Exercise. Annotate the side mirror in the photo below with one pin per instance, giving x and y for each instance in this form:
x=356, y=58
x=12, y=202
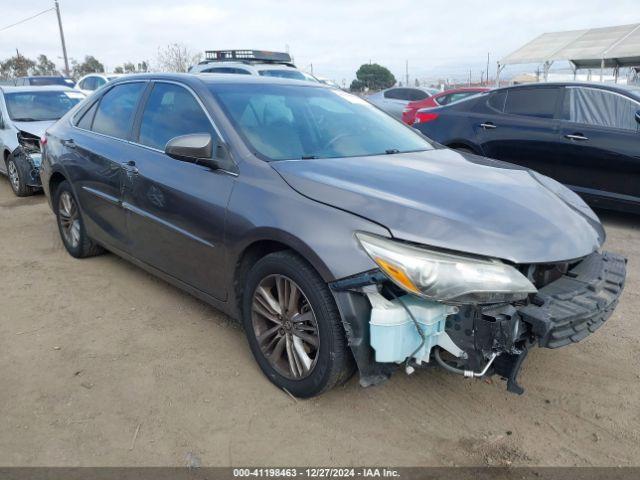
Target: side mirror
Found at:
x=638, y=116
x=194, y=148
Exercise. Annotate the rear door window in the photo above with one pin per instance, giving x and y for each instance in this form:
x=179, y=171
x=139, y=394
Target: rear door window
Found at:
x=393, y=94
x=171, y=111
x=416, y=94
x=116, y=109
x=532, y=102
x=600, y=108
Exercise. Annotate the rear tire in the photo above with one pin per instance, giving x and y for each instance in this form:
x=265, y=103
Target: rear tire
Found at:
x=287, y=353
x=17, y=179
x=70, y=224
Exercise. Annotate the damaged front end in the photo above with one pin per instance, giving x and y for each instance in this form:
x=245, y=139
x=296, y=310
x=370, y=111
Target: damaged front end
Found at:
x=28, y=158
x=471, y=316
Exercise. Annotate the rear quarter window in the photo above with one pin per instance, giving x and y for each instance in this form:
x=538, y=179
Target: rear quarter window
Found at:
x=496, y=101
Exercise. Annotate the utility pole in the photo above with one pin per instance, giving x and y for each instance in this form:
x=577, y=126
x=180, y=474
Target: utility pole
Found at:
x=407, y=72
x=64, y=46
x=487, y=69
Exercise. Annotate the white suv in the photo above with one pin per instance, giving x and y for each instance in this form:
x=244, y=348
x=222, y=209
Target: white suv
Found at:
x=94, y=81
x=251, y=62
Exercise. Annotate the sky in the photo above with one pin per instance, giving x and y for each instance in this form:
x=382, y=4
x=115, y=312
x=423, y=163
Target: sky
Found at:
x=439, y=39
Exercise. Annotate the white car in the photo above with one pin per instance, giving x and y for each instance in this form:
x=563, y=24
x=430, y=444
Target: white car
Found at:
x=25, y=114
x=394, y=99
x=251, y=62
x=93, y=81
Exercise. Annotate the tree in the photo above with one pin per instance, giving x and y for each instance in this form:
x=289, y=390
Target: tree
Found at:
x=90, y=65
x=44, y=66
x=118, y=70
x=16, y=66
x=176, y=57
x=129, y=67
x=357, y=86
x=373, y=77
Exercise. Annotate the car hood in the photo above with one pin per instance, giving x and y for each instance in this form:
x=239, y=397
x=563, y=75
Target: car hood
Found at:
x=458, y=202
x=34, y=128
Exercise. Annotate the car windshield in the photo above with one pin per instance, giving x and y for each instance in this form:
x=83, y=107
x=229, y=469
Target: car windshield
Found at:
x=40, y=106
x=285, y=122
x=291, y=74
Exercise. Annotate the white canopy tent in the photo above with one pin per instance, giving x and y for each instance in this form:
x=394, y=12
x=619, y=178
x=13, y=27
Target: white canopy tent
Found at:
x=608, y=47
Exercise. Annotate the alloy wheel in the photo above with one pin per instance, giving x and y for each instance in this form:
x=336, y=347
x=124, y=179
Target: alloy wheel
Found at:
x=69, y=219
x=14, y=177
x=285, y=327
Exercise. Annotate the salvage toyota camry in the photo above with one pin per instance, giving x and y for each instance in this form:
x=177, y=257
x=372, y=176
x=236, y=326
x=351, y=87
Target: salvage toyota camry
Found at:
x=341, y=238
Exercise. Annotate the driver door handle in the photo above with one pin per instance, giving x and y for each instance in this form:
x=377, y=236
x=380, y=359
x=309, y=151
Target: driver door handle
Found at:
x=488, y=125
x=130, y=167
x=576, y=136
x=68, y=143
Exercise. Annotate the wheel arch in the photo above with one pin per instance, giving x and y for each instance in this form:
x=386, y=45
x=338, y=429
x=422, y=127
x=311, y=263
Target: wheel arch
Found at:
x=455, y=144
x=56, y=179
x=270, y=241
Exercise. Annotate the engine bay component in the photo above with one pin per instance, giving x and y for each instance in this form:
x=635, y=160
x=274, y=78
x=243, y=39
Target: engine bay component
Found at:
x=395, y=337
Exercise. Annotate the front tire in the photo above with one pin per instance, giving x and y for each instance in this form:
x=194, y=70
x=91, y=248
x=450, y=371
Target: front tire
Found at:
x=293, y=326
x=70, y=224
x=16, y=179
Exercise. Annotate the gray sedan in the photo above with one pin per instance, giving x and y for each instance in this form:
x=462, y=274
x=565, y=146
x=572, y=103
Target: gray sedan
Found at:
x=394, y=99
x=340, y=237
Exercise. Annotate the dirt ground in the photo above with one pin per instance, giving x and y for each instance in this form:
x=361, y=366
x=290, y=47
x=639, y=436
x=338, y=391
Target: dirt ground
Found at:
x=102, y=364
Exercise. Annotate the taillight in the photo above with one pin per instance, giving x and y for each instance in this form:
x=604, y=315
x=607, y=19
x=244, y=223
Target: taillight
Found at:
x=424, y=117
x=43, y=141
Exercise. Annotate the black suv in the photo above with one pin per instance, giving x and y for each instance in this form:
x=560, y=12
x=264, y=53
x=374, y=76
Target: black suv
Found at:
x=586, y=136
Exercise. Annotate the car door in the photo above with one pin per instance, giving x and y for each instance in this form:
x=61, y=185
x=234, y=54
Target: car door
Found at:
x=520, y=125
x=97, y=154
x=601, y=143
x=176, y=210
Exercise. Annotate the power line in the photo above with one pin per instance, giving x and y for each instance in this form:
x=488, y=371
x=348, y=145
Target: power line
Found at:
x=27, y=19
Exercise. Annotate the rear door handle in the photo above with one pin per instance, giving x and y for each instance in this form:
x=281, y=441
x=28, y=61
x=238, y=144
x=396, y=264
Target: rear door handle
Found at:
x=576, y=136
x=130, y=167
x=488, y=125
x=68, y=143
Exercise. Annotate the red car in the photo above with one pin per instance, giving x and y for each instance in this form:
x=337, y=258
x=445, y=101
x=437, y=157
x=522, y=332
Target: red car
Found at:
x=442, y=98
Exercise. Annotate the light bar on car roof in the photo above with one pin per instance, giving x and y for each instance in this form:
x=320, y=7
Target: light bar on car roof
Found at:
x=247, y=55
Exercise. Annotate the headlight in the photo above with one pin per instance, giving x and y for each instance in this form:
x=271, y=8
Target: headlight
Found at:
x=446, y=277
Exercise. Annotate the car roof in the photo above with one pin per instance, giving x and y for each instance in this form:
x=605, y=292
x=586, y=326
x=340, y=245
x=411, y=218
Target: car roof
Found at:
x=42, y=76
x=218, y=78
x=34, y=88
x=463, y=89
x=614, y=87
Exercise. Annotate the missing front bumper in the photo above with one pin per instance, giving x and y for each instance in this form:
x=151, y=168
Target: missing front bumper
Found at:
x=563, y=312
x=576, y=305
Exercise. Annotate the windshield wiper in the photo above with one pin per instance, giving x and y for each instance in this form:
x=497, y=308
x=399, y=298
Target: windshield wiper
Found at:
x=308, y=157
x=25, y=119
x=392, y=151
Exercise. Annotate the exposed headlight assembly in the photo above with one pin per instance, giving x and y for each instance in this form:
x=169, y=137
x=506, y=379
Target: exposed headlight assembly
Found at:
x=446, y=277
